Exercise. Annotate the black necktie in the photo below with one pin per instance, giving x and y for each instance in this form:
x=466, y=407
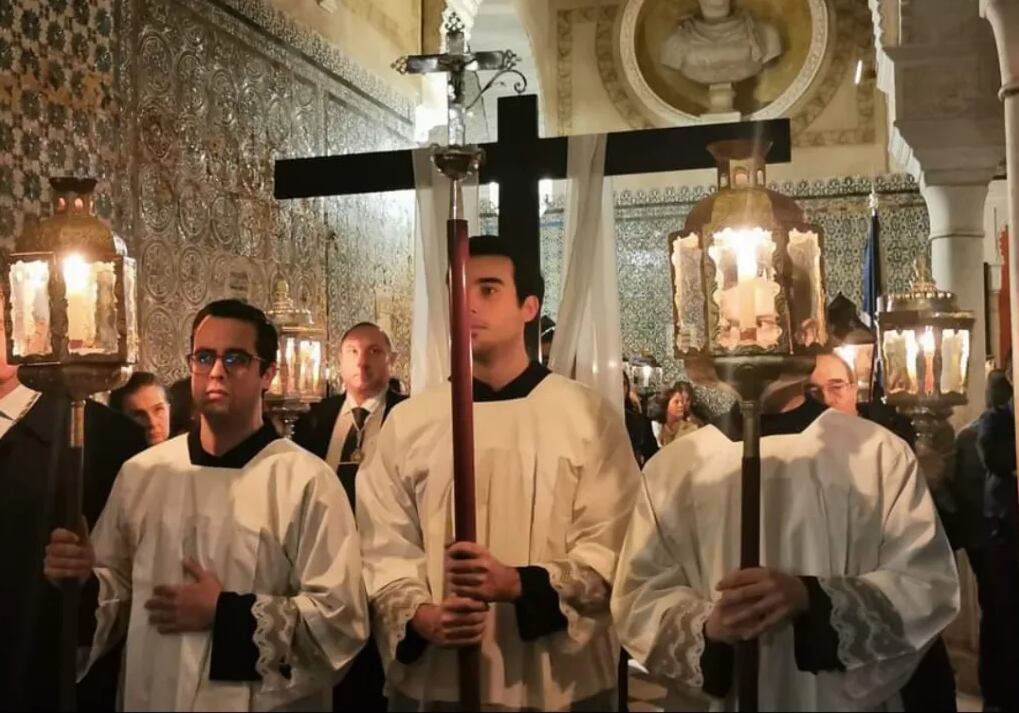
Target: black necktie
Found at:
x=347, y=469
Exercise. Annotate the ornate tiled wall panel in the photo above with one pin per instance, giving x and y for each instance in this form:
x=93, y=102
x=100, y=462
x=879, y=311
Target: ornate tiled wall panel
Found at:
x=215, y=80
x=644, y=221
x=58, y=104
x=196, y=98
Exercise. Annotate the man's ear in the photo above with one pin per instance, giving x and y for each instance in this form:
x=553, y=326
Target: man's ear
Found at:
x=531, y=307
x=268, y=376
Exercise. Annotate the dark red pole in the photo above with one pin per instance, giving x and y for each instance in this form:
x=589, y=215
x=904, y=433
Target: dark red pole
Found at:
x=462, y=378
x=748, y=652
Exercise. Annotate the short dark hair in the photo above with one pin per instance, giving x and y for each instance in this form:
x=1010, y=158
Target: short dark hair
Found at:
x=266, y=336
x=181, y=406
x=363, y=325
x=138, y=381
x=527, y=277
x=999, y=390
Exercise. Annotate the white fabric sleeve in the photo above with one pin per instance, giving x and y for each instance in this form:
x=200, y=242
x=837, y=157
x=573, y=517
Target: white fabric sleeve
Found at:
x=885, y=619
x=602, y=507
x=114, y=554
x=395, y=566
x=306, y=639
x=659, y=618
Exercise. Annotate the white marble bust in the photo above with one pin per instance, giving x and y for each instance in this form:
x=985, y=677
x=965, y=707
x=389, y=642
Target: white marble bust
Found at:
x=721, y=45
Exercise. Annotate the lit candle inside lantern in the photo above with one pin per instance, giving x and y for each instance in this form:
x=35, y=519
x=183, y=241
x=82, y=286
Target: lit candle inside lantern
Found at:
x=645, y=375
x=927, y=343
x=746, y=282
x=290, y=385
x=78, y=285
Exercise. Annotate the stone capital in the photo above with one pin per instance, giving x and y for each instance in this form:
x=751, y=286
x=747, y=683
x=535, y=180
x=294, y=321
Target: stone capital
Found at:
x=956, y=210
x=1003, y=15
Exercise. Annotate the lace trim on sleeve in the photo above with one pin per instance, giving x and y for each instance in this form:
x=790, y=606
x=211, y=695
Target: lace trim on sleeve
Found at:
x=679, y=645
x=392, y=608
x=869, y=627
x=275, y=624
x=582, y=591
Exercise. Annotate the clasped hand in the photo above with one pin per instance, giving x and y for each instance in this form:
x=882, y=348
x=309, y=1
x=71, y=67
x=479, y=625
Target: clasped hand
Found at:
x=474, y=579
x=753, y=602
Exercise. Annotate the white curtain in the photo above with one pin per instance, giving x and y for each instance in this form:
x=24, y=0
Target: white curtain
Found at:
x=587, y=344
x=429, y=344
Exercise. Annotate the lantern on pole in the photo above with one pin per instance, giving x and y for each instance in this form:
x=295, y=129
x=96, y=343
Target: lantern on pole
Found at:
x=70, y=314
x=749, y=306
x=300, y=376
x=925, y=349
x=854, y=342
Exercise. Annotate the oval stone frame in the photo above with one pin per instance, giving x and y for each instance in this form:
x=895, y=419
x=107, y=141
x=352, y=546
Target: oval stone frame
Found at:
x=661, y=113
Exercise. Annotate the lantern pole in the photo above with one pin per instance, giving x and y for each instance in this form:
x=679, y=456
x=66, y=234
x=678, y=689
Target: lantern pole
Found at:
x=61, y=264
x=749, y=309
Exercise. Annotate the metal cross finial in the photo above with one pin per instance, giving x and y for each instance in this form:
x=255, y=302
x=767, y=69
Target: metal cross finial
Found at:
x=457, y=61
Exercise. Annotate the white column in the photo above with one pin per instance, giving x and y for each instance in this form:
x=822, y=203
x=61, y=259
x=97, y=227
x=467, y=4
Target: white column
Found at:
x=957, y=261
x=1004, y=18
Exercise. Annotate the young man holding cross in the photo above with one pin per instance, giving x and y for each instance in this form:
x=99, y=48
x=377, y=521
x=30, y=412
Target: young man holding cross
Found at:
x=555, y=483
x=227, y=556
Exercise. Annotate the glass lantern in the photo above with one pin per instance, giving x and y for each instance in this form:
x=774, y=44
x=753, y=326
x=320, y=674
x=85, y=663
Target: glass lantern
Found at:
x=300, y=362
x=747, y=273
x=925, y=344
x=70, y=301
x=854, y=342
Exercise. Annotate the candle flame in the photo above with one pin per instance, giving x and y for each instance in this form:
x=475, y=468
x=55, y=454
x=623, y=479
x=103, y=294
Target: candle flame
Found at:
x=76, y=274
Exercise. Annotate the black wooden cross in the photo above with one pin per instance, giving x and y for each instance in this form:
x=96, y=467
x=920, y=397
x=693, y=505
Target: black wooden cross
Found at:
x=519, y=159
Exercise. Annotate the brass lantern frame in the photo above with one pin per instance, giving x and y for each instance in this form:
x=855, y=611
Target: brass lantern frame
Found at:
x=924, y=307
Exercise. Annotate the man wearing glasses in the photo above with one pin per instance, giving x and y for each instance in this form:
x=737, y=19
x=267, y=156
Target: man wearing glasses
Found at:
x=833, y=383
x=228, y=555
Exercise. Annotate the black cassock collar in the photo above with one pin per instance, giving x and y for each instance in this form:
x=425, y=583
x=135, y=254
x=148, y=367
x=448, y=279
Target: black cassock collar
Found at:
x=772, y=424
x=519, y=388
x=238, y=456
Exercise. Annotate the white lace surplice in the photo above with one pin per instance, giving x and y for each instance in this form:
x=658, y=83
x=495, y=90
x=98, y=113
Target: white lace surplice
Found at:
x=280, y=528
x=844, y=502
x=556, y=480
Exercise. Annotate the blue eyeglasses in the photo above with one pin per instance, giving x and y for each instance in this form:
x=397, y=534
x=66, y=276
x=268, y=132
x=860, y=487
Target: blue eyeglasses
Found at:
x=203, y=360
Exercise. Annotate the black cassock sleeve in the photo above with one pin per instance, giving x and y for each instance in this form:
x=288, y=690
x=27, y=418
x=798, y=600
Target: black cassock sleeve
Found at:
x=717, y=666
x=538, y=612
x=234, y=653
x=816, y=641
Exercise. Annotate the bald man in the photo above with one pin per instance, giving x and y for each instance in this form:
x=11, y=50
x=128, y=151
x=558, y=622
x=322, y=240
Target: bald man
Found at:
x=341, y=430
x=833, y=383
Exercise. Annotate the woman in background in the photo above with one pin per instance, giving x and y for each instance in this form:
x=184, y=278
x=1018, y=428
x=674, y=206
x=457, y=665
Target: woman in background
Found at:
x=675, y=406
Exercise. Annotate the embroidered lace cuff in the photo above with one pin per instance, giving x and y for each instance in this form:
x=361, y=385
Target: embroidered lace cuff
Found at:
x=679, y=645
x=275, y=624
x=869, y=628
x=393, y=608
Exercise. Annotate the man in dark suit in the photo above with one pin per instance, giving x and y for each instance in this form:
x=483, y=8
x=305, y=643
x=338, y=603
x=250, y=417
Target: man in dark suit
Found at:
x=341, y=430
x=33, y=460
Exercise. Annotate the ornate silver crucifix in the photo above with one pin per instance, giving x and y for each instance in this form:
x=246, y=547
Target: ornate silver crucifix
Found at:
x=456, y=62
x=456, y=161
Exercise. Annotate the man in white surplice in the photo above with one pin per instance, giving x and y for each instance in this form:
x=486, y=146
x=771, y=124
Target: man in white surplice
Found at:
x=556, y=480
x=229, y=556
x=857, y=576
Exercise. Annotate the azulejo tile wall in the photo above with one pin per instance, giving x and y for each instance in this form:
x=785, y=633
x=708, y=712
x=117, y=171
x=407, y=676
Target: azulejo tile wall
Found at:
x=196, y=98
x=645, y=219
x=58, y=104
